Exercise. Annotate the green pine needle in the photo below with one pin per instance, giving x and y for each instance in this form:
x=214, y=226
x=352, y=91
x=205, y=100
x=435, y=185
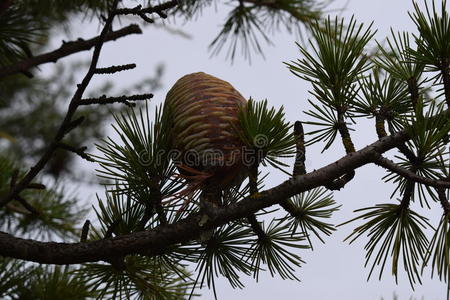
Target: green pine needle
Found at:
x=439, y=251
x=311, y=207
x=266, y=133
x=276, y=251
x=394, y=231
x=433, y=47
x=142, y=278
x=223, y=255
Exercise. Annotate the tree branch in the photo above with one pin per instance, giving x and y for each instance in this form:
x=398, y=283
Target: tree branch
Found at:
x=67, y=49
x=391, y=166
x=67, y=124
x=121, y=99
x=154, y=241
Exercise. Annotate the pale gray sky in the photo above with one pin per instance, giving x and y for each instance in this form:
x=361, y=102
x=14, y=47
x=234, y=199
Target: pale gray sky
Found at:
x=333, y=270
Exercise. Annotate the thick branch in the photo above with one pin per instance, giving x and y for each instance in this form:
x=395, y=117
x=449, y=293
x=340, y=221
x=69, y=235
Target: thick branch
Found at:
x=156, y=240
x=66, y=49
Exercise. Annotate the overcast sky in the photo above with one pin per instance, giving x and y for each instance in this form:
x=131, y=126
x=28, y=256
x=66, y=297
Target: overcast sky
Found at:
x=334, y=270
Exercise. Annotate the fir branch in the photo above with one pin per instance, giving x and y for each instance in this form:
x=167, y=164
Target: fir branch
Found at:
x=68, y=48
x=121, y=99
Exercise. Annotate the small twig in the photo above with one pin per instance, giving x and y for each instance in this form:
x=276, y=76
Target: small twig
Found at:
x=14, y=176
x=299, y=165
x=444, y=201
x=85, y=231
x=122, y=99
x=413, y=90
x=392, y=166
x=36, y=186
x=66, y=49
x=17, y=209
x=27, y=205
x=158, y=9
x=407, y=194
x=160, y=210
x=381, y=132
x=445, y=72
x=344, y=132
x=79, y=151
x=69, y=126
x=253, y=190
x=256, y=227
x=145, y=18
x=339, y=183
x=115, y=69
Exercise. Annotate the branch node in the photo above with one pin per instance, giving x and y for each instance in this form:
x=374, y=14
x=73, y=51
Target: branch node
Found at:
x=300, y=156
x=85, y=231
x=79, y=151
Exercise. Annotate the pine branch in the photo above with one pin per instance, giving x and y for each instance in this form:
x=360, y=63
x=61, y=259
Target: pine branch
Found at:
x=143, y=12
x=122, y=99
x=391, y=166
x=27, y=205
x=67, y=124
x=445, y=72
x=68, y=48
x=79, y=151
x=155, y=240
x=115, y=69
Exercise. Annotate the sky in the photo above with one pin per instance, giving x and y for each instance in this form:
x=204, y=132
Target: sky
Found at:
x=334, y=270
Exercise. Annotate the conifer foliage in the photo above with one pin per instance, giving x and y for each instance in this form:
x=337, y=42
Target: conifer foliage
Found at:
x=156, y=235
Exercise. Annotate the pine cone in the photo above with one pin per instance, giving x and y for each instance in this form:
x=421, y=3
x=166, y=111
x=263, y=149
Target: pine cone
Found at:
x=204, y=129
